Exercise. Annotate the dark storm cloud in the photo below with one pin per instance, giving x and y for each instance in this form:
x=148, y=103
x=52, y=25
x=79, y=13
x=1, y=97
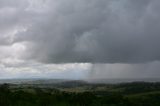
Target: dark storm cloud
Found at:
x=96, y=31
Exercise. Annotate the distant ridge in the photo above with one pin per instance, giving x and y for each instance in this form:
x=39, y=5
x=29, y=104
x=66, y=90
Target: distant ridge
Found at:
x=78, y=82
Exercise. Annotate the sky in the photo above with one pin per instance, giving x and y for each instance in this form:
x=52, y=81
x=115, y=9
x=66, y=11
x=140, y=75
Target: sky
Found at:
x=79, y=39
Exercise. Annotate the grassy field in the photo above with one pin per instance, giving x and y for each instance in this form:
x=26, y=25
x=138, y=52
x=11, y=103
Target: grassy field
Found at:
x=78, y=93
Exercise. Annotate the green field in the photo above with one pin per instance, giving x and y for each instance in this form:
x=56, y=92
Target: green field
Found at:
x=79, y=93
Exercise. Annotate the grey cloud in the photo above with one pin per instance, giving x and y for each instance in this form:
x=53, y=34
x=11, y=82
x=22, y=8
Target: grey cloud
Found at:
x=96, y=31
x=12, y=18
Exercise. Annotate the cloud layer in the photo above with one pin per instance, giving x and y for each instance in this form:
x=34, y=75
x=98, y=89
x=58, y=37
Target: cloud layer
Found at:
x=96, y=31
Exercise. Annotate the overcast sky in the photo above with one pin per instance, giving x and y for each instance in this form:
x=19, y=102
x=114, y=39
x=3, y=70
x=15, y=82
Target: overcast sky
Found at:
x=79, y=39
